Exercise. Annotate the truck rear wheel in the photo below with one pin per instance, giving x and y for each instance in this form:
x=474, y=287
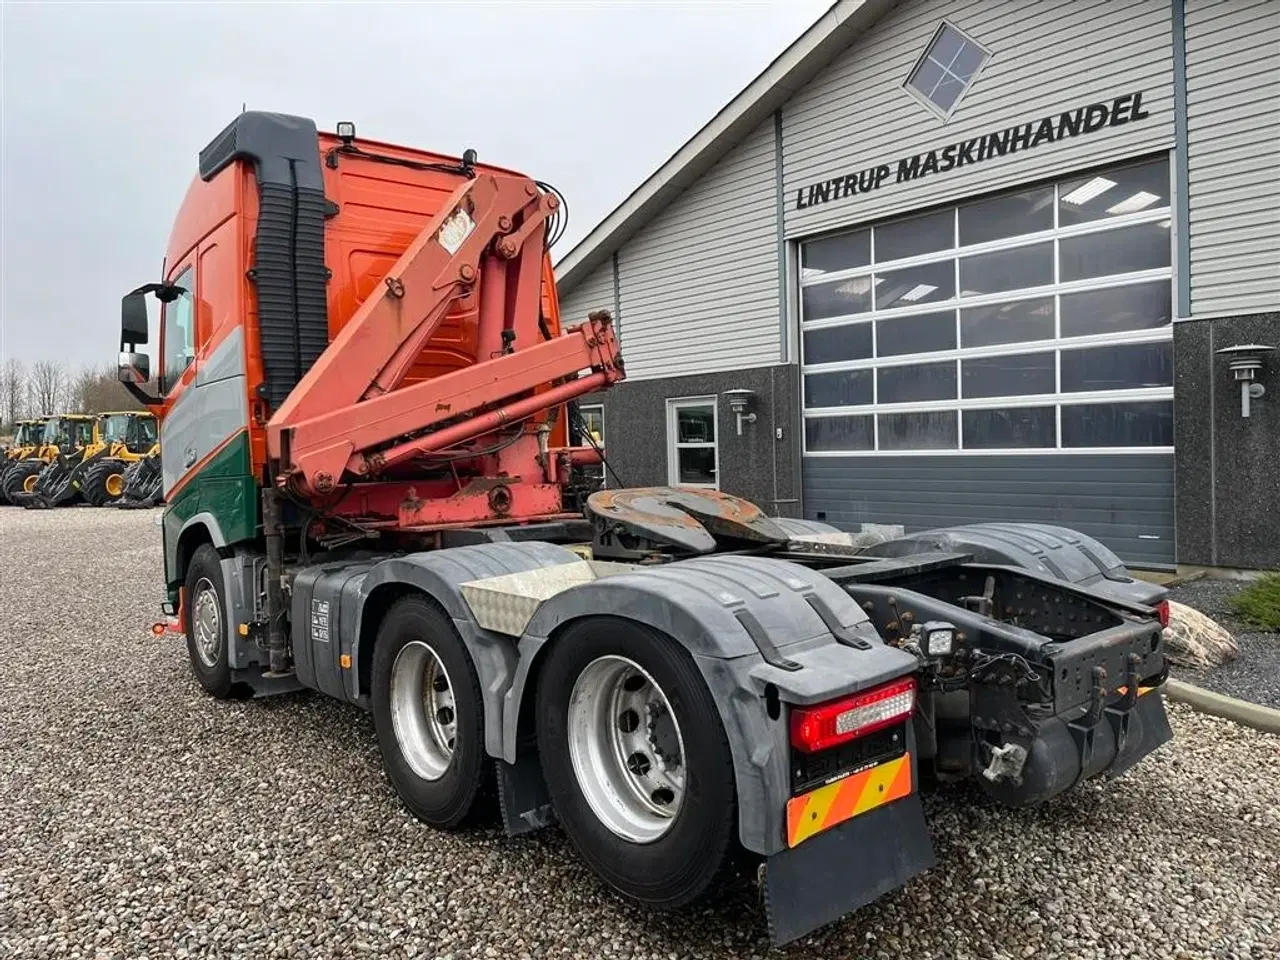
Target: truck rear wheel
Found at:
x=428, y=713
x=636, y=760
x=206, y=626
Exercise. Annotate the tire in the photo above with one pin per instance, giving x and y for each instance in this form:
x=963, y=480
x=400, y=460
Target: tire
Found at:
x=661, y=866
x=439, y=784
x=19, y=481
x=205, y=602
x=104, y=481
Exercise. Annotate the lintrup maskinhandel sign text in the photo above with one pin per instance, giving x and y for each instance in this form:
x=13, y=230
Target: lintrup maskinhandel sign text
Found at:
x=1051, y=129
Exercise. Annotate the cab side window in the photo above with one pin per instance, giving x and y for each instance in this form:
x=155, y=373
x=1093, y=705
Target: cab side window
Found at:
x=179, y=330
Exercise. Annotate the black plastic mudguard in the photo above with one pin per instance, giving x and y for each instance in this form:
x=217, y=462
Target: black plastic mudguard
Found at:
x=844, y=868
x=1049, y=550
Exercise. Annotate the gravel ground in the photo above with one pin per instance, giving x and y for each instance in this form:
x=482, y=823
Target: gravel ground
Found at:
x=1253, y=675
x=143, y=820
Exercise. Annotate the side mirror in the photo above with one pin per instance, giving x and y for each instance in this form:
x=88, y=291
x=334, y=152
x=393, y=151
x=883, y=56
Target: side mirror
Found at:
x=133, y=318
x=134, y=368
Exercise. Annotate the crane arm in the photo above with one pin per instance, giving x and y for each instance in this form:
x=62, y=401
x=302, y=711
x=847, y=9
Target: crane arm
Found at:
x=347, y=407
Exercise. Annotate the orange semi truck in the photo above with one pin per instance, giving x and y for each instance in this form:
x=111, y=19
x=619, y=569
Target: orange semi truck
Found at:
x=366, y=391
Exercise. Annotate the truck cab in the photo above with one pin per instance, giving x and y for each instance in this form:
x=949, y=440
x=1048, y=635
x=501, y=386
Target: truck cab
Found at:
x=282, y=233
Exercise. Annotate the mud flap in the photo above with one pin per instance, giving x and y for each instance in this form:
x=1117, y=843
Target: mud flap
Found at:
x=844, y=868
x=1155, y=732
x=522, y=795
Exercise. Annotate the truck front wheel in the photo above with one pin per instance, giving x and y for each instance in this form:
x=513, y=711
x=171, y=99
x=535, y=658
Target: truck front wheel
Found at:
x=206, y=626
x=636, y=760
x=428, y=713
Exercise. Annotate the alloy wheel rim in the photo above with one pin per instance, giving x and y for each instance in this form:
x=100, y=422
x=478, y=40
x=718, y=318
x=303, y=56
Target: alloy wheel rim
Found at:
x=627, y=749
x=424, y=714
x=206, y=621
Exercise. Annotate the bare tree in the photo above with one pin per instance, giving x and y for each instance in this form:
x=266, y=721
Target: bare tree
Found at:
x=13, y=389
x=97, y=389
x=48, y=386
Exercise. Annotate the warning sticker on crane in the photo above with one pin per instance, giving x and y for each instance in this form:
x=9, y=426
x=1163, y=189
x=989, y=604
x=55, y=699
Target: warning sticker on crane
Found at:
x=455, y=230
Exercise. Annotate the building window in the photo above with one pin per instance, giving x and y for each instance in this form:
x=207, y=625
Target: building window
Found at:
x=592, y=424
x=692, y=455
x=1036, y=320
x=946, y=70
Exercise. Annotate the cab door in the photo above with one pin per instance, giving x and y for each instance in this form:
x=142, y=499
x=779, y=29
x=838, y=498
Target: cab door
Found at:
x=179, y=436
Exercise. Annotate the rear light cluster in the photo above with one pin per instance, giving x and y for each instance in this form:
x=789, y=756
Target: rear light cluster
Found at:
x=1163, y=610
x=831, y=724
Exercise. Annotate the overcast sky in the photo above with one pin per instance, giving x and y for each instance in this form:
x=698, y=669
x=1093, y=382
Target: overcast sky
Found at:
x=106, y=106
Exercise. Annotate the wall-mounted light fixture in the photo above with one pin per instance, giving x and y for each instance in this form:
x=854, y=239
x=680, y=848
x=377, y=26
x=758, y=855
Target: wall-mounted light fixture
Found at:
x=740, y=401
x=1245, y=362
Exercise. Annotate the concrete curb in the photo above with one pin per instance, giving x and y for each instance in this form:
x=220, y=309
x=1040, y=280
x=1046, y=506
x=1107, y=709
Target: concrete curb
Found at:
x=1266, y=719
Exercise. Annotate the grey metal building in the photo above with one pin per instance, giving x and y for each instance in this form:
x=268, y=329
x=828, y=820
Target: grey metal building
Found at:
x=974, y=260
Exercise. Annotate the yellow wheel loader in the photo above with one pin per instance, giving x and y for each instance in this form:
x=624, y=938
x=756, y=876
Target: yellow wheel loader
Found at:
x=26, y=440
x=44, y=479
x=122, y=439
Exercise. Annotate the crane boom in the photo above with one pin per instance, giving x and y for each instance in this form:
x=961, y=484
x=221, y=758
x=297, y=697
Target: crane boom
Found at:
x=351, y=415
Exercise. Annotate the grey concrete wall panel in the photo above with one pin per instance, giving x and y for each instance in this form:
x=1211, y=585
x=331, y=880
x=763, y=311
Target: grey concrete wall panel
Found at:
x=757, y=466
x=699, y=285
x=1228, y=481
x=697, y=602
x=1124, y=501
x=1193, y=374
x=1233, y=129
x=1046, y=58
x=594, y=293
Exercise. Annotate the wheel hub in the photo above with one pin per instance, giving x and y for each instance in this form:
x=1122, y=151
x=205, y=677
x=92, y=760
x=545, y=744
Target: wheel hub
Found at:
x=206, y=623
x=423, y=710
x=626, y=748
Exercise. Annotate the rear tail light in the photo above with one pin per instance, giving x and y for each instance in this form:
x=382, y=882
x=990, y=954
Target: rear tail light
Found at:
x=1163, y=610
x=830, y=724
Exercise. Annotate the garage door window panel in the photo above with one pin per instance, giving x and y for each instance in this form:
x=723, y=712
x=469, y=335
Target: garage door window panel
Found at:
x=1006, y=216
x=1130, y=366
x=926, y=430
x=916, y=383
x=845, y=388
x=915, y=236
x=917, y=333
x=837, y=298
x=928, y=283
x=1018, y=268
x=828, y=434
x=852, y=341
x=1027, y=374
x=1141, y=306
x=1104, y=253
x=1093, y=425
x=1021, y=321
x=980, y=324
x=1015, y=428
x=846, y=251
x=1117, y=192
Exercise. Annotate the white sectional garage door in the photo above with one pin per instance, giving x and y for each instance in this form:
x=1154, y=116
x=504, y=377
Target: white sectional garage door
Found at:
x=1008, y=357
